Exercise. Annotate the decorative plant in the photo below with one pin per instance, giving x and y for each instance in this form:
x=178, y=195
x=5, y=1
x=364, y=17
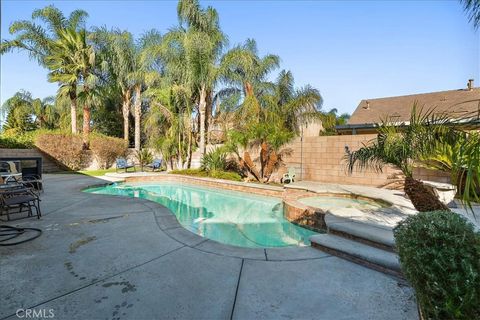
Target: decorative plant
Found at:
x=144, y=157
x=403, y=146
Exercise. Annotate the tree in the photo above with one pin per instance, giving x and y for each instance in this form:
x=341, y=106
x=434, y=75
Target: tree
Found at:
x=403, y=147
x=19, y=112
x=277, y=121
x=38, y=40
x=472, y=8
x=71, y=62
x=202, y=41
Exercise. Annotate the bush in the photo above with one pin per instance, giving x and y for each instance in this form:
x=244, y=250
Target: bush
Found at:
x=440, y=256
x=214, y=160
x=107, y=149
x=217, y=174
x=16, y=139
x=144, y=157
x=65, y=148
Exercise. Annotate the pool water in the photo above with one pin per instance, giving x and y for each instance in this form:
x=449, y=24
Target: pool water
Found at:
x=230, y=217
x=330, y=202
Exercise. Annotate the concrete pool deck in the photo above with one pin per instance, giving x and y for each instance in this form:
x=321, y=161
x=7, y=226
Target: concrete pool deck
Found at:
x=107, y=257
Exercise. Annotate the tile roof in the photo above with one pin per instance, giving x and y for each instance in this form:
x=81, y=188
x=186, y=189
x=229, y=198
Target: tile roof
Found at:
x=455, y=103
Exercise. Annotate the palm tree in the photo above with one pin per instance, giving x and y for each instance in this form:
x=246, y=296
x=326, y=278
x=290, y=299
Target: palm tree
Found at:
x=38, y=40
x=202, y=42
x=403, y=147
x=71, y=61
x=282, y=111
x=472, y=7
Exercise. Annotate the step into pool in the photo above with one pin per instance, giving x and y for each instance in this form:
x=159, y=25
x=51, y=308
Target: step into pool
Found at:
x=230, y=217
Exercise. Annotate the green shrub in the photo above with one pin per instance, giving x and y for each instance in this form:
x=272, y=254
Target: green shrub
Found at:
x=65, y=148
x=107, y=149
x=226, y=175
x=214, y=160
x=217, y=174
x=16, y=139
x=440, y=256
x=144, y=157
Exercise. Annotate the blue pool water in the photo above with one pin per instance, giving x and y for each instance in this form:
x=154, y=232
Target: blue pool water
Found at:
x=230, y=217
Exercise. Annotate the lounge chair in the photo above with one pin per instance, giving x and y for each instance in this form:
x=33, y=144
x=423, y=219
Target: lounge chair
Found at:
x=122, y=164
x=16, y=198
x=156, y=164
x=289, y=177
x=13, y=174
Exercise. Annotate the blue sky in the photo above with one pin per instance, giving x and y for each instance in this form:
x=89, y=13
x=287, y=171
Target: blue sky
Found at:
x=349, y=50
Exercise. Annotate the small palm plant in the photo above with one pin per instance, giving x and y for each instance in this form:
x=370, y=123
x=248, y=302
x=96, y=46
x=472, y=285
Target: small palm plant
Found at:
x=144, y=157
x=403, y=146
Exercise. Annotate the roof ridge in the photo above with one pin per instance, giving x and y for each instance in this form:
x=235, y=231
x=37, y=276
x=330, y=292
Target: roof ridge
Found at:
x=425, y=93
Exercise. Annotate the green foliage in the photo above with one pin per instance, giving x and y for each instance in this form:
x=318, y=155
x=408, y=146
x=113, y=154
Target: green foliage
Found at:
x=107, y=149
x=440, y=256
x=144, y=157
x=214, y=160
x=217, y=174
x=67, y=149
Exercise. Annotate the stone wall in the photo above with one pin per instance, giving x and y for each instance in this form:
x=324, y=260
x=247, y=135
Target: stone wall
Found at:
x=47, y=164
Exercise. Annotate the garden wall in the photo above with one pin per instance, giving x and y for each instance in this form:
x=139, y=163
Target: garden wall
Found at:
x=323, y=161
x=47, y=164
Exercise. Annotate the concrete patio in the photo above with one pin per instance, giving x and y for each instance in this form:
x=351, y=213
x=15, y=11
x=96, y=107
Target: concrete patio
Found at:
x=106, y=257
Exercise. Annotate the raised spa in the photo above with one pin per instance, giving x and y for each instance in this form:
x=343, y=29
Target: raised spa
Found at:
x=330, y=201
x=230, y=217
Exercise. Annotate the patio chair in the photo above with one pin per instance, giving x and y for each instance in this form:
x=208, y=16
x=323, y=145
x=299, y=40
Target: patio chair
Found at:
x=12, y=174
x=289, y=177
x=156, y=164
x=121, y=163
x=16, y=199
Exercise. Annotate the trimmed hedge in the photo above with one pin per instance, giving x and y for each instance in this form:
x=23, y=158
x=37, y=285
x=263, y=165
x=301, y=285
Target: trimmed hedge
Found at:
x=65, y=148
x=107, y=149
x=209, y=174
x=440, y=256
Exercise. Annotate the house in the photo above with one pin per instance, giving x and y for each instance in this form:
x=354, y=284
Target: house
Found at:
x=456, y=104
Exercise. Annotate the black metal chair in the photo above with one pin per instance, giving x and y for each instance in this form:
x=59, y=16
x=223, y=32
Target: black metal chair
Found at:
x=121, y=163
x=156, y=164
x=15, y=198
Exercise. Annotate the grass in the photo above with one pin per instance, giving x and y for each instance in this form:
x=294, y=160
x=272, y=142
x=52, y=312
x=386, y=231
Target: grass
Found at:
x=96, y=173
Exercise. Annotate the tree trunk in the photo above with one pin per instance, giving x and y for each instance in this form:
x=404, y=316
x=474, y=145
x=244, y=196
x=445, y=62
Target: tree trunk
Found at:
x=126, y=114
x=73, y=111
x=86, y=124
x=422, y=199
x=272, y=161
x=263, y=158
x=202, y=110
x=251, y=165
x=248, y=89
x=189, y=150
x=138, y=114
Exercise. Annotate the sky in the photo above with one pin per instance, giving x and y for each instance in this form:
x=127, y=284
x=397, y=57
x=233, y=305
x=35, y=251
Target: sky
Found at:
x=348, y=50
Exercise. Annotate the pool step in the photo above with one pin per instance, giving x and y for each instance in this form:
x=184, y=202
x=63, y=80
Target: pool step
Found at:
x=377, y=236
x=363, y=254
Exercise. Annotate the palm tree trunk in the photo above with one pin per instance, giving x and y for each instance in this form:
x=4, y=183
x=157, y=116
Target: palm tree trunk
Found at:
x=422, y=199
x=263, y=158
x=248, y=88
x=202, y=111
x=250, y=165
x=272, y=161
x=138, y=114
x=73, y=111
x=126, y=114
x=189, y=150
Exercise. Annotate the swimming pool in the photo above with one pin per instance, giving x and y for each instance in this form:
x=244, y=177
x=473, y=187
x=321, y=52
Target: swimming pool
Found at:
x=230, y=217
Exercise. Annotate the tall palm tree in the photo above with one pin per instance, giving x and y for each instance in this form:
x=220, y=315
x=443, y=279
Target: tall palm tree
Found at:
x=71, y=61
x=37, y=37
x=202, y=41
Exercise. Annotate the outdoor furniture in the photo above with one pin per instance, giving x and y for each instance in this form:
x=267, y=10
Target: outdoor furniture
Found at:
x=289, y=177
x=13, y=171
x=15, y=198
x=156, y=164
x=122, y=164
